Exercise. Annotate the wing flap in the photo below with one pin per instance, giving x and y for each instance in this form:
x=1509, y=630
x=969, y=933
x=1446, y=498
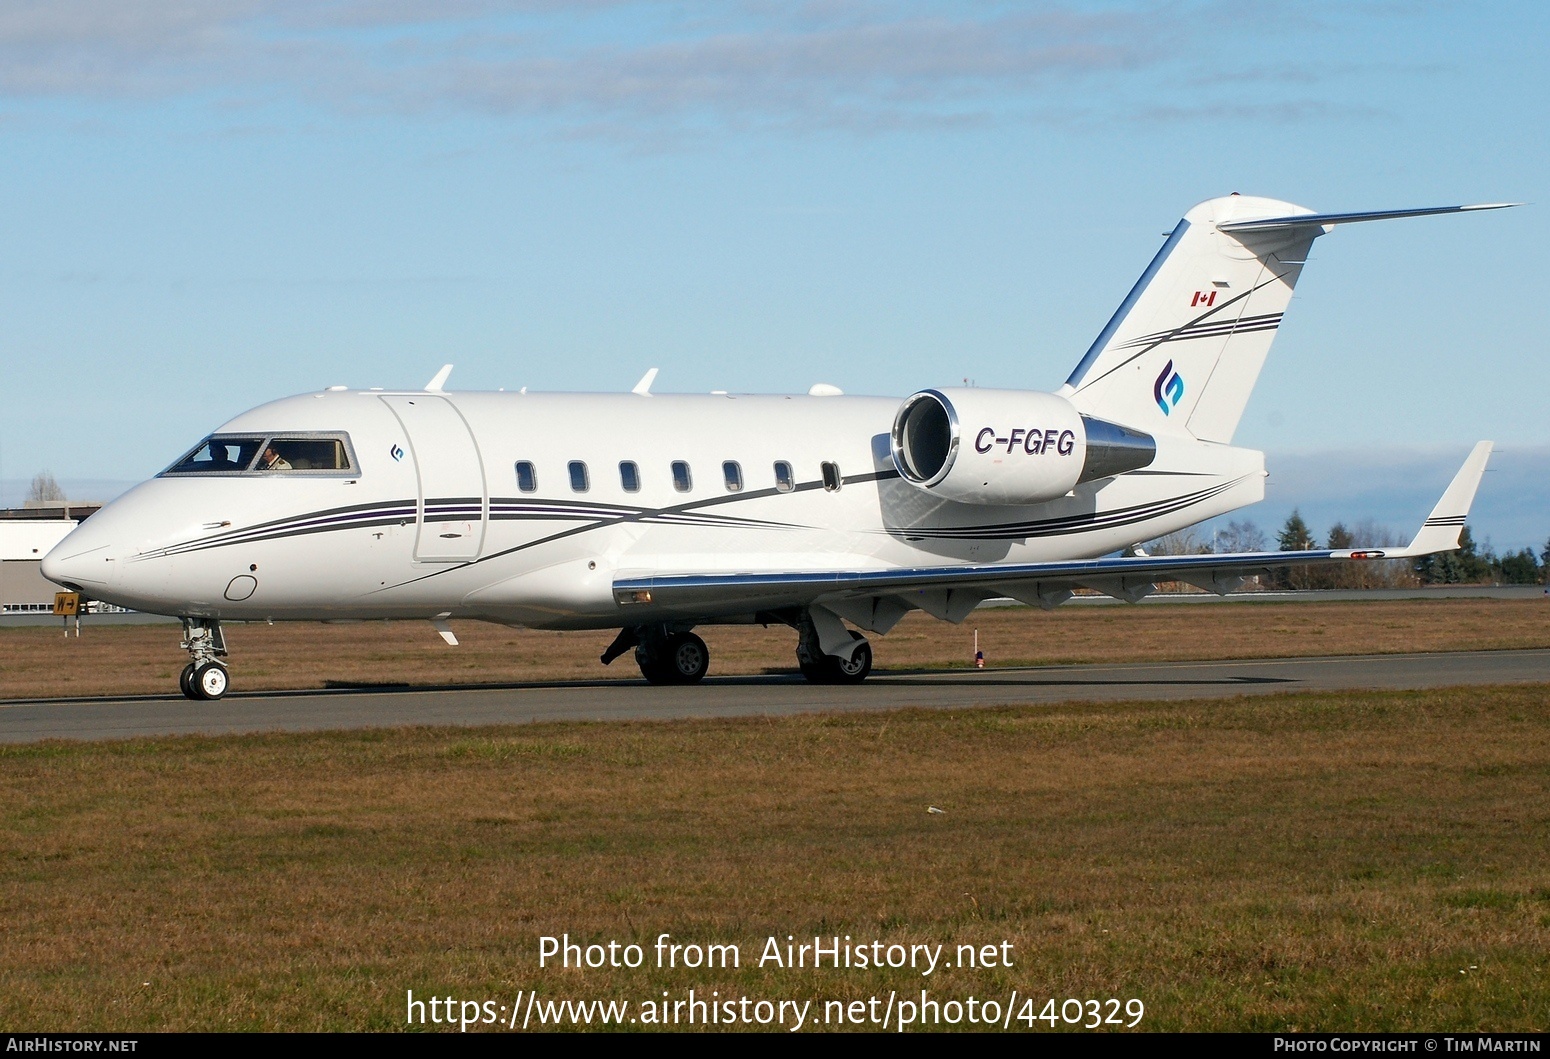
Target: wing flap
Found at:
x=1116, y=575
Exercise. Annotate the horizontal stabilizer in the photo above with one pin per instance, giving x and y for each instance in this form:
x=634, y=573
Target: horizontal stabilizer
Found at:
x=1311, y=220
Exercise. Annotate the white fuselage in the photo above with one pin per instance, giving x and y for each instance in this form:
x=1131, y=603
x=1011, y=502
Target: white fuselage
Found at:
x=430, y=520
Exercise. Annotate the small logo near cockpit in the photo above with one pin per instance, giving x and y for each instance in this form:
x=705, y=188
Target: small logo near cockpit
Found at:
x=396, y=452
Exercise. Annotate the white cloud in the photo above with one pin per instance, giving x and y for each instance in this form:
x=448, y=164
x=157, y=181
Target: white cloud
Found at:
x=605, y=64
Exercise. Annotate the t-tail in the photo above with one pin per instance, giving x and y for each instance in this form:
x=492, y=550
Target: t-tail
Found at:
x=1183, y=351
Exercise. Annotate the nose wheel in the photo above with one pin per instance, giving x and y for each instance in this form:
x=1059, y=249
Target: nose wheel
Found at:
x=206, y=682
x=203, y=678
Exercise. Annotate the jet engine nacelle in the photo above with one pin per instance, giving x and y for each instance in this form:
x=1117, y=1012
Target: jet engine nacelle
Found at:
x=1008, y=446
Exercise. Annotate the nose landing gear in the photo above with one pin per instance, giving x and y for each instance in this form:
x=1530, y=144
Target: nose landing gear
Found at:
x=203, y=677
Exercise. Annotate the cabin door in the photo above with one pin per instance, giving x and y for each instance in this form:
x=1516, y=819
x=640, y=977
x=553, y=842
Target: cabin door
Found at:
x=454, y=504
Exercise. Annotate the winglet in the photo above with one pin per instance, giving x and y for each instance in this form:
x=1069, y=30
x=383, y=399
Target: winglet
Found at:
x=644, y=386
x=439, y=380
x=1440, y=532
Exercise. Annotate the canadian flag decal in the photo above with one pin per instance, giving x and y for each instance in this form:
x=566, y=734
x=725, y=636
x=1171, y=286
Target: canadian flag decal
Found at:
x=1203, y=297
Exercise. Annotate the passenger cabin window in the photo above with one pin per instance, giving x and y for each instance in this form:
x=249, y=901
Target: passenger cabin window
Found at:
x=681, y=480
x=527, y=476
x=831, y=477
x=273, y=454
x=578, y=476
x=785, y=481
x=734, y=476
x=629, y=476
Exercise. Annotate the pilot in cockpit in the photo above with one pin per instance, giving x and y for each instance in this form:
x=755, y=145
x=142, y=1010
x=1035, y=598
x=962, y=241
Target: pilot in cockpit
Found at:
x=219, y=460
x=272, y=461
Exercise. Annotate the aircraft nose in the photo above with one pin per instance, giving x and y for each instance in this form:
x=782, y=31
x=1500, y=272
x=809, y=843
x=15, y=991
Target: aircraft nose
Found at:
x=75, y=568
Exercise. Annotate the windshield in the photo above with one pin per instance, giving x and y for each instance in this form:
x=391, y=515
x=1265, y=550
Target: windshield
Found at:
x=219, y=456
x=303, y=454
x=275, y=454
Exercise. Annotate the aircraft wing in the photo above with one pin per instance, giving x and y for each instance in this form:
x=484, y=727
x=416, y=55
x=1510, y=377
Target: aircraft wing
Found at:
x=876, y=599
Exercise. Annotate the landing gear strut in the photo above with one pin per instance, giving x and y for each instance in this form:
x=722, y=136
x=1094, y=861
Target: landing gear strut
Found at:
x=203, y=677
x=665, y=656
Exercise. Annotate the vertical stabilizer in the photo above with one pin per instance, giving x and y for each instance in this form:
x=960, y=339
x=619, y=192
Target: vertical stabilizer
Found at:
x=1183, y=352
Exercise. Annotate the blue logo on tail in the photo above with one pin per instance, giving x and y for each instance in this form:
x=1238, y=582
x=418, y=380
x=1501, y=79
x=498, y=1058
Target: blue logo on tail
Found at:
x=398, y=453
x=1168, y=389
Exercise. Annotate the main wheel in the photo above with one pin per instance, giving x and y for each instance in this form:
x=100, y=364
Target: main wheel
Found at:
x=681, y=658
x=832, y=669
x=210, y=681
x=688, y=659
x=855, y=669
x=186, y=682
x=651, y=666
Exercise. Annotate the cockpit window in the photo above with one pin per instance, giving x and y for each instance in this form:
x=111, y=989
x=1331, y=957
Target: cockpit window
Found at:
x=303, y=454
x=274, y=454
x=219, y=456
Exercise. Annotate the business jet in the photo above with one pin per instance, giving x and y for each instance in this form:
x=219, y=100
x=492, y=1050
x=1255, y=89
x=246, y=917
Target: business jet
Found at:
x=656, y=514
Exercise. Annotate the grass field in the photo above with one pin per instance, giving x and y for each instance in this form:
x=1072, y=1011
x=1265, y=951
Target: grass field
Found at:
x=126, y=659
x=1334, y=861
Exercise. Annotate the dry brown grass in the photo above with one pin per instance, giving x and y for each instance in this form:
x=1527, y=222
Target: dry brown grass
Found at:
x=127, y=660
x=1338, y=861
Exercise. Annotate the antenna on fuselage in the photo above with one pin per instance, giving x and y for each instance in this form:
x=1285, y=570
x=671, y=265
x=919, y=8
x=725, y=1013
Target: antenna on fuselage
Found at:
x=439, y=380
x=644, y=386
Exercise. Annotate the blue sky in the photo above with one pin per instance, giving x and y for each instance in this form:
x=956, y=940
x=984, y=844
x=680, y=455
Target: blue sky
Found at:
x=207, y=205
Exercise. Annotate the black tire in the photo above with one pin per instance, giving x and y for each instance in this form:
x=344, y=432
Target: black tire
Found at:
x=681, y=658
x=186, y=682
x=210, y=681
x=688, y=659
x=651, y=666
x=855, y=670
x=831, y=669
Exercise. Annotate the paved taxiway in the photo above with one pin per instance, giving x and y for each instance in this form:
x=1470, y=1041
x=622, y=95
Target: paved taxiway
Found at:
x=487, y=704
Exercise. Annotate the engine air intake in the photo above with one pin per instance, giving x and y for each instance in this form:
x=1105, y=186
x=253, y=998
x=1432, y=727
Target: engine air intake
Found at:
x=925, y=437
x=1008, y=446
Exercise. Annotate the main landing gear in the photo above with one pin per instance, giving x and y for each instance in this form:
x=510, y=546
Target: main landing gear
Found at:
x=665, y=656
x=203, y=677
x=850, y=665
x=679, y=658
x=676, y=656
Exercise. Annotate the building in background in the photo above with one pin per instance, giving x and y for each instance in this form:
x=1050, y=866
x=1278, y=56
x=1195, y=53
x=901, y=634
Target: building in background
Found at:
x=26, y=535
